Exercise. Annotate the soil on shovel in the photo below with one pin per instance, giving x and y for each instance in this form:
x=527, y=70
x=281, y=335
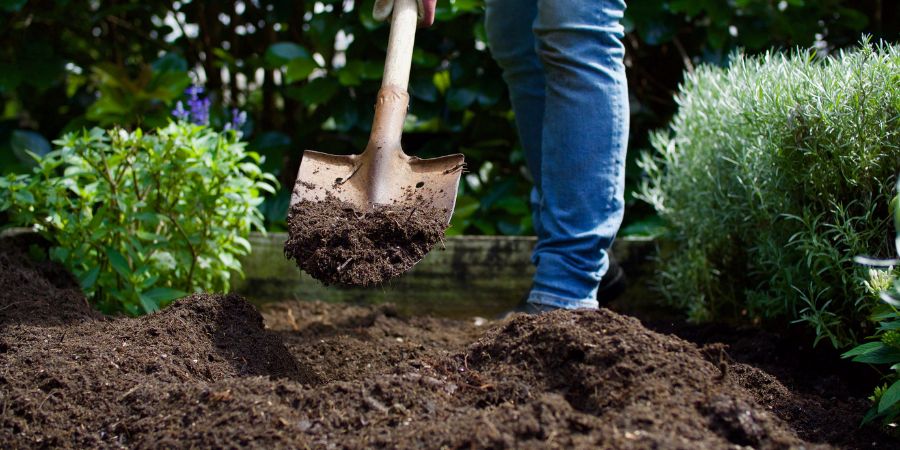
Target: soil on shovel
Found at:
x=337, y=244
x=210, y=371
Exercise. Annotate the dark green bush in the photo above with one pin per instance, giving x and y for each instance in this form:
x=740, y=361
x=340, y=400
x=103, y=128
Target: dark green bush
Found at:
x=141, y=219
x=776, y=172
x=883, y=348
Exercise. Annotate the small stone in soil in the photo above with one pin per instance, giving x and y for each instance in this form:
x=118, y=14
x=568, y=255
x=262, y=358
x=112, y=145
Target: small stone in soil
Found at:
x=337, y=244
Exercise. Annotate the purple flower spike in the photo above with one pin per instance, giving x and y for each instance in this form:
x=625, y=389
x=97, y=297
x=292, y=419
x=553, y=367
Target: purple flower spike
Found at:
x=179, y=112
x=200, y=110
x=238, y=118
x=194, y=92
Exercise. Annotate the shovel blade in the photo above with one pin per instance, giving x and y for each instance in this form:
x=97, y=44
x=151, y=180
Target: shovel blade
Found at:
x=364, y=181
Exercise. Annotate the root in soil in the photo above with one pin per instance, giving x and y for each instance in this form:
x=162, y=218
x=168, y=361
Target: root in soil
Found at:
x=337, y=244
x=206, y=372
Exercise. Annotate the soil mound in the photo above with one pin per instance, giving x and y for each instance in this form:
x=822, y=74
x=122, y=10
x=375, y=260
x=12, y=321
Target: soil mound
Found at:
x=34, y=289
x=606, y=380
x=67, y=374
x=206, y=373
x=336, y=244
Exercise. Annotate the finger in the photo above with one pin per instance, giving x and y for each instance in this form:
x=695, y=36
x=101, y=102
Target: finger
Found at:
x=426, y=12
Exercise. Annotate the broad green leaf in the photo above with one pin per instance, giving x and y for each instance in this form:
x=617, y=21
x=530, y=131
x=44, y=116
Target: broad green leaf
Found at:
x=348, y=77
x=162, y=295
x=862, y=349
x=299, y=69
x=23, y=142
x=890, y=397
x=89, y=278
x=148, y=304
x=316, y=92
x=460, y=98
x=23, y=197
x=422, y=58
x=170, y=62
x=59, y=254
x=881, y=355
x=281, y=53
x=118, y=262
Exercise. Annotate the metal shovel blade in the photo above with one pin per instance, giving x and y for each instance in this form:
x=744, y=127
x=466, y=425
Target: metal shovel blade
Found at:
x=389, y=178
x=382, y=174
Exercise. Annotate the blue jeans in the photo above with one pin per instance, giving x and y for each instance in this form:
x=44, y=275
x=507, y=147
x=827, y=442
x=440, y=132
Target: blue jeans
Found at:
x=563, y=63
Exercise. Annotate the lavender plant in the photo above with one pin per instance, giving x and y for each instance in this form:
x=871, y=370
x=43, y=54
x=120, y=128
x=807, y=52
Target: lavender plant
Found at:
x=775, y=172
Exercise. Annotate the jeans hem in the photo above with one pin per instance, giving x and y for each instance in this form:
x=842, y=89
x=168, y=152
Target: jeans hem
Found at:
x=547, y=299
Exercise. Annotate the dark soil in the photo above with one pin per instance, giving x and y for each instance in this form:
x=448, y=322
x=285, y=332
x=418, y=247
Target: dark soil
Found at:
x=206, y=372
x=337, y=244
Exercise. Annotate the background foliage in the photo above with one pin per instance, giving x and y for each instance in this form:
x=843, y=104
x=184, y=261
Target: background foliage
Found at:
x=141, y=219
x=776, y=173
x=307, y=73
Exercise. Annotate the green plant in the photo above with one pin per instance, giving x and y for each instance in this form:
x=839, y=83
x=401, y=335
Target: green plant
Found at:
x=776, y=170
x=141, y=219
x=883, y=347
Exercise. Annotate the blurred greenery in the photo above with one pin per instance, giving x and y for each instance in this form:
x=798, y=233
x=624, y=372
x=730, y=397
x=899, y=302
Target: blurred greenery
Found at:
x=307, y=73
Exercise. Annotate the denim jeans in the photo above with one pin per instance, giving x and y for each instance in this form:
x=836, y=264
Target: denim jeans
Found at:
x=563, y=63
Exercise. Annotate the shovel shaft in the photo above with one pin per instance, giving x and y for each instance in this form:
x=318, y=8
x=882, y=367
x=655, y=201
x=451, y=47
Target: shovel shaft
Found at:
x=393, y=100
x=384, y=164
x=400, y=44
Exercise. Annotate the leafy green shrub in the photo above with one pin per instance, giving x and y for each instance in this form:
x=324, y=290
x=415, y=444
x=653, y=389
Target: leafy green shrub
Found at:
x=775, y=173
x=141, y=219
x=884, y=349
x=884, y=346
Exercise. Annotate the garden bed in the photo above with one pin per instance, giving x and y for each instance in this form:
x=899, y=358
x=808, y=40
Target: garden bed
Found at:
x=210, y=371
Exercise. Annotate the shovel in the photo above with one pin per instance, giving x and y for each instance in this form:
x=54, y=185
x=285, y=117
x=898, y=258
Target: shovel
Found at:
x=383, y=174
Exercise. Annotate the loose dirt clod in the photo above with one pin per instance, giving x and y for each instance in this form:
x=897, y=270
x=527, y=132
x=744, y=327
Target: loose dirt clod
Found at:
x=337, y=244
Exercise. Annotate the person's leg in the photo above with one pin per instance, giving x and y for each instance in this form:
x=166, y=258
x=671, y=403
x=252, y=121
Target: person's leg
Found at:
x=511, y=41
x=583, y=142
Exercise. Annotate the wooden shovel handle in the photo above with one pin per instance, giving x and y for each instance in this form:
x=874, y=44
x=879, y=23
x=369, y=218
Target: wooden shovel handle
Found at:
x=393, y=100
x=400, y=44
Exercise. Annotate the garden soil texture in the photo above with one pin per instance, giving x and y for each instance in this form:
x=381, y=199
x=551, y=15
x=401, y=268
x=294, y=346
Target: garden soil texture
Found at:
x=211, y=371
x=337, y=244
